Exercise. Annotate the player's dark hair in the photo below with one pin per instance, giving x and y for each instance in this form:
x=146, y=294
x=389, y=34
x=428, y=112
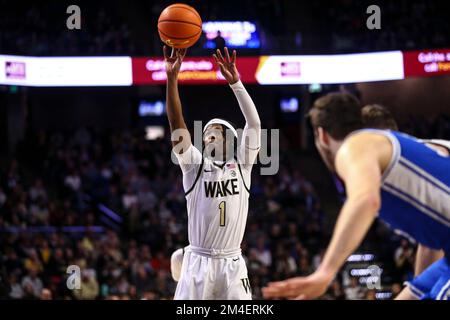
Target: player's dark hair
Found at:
x=337, y=113
x=378, y=117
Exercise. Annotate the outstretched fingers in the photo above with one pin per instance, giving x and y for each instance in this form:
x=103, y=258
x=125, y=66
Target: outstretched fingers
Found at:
x=217, y=60
x=227, y=54
x=180, y=53
x=291, y=288
x=168, y=56
x=220, y=56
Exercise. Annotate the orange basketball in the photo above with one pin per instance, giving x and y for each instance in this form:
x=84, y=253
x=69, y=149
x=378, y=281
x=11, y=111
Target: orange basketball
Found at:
x=179, y=26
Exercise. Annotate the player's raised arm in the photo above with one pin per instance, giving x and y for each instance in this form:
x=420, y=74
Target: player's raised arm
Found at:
x=173, y=103
x=251, y=138
x=359, y=167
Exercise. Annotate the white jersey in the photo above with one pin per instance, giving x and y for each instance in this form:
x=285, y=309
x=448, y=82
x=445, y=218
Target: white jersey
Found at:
x=217, y=198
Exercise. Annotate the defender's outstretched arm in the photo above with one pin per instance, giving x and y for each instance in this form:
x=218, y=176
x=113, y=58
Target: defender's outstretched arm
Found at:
x=359, y=167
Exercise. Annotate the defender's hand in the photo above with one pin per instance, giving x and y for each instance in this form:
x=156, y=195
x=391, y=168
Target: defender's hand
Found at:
x=173, y=61
x=227, y=65
x=310, y=287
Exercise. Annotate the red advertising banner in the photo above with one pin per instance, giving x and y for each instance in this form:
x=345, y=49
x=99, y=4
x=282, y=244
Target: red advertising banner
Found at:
x=194, y=70
x=426, y=62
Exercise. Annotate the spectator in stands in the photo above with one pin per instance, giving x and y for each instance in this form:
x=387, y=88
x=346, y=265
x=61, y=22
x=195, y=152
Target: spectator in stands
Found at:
x=143, y=282
x=261, y=253
x=15, y=288
x=404, y=260
x=219, y=41
x=335, y=292
x=396, y=288
x=46, y=294
x=32, y=284
x=89, y=287
x=354, y=291
x=370, y=295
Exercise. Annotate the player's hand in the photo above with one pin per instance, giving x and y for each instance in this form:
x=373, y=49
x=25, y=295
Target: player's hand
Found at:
x=227, y=65
x=173, y=61
x=300, y=288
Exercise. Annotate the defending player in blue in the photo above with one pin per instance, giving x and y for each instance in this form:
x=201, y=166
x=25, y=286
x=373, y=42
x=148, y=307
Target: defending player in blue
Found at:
x=386, y=173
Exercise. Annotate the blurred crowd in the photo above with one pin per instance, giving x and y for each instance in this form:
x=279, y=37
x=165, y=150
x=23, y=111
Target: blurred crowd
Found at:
x=405, y=25
x=120, y=28
x=59, y=195
x=40, y=29
x=431, y=127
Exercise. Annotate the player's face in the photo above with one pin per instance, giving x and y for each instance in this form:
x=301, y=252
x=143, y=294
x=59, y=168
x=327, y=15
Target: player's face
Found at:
x=213, y=134
x=214, y=141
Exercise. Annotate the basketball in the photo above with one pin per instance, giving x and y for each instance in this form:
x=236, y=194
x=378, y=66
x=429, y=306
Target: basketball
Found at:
x=179, y=26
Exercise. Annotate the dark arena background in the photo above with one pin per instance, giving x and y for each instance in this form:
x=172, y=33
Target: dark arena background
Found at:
x=86, y=177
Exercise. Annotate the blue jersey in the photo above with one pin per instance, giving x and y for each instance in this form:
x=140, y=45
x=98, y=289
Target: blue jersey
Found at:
x=415, y=191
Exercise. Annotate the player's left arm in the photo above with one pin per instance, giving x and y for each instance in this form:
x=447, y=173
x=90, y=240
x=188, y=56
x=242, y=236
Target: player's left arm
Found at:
x=358, y=165
x=251, y=138
x=425, y=257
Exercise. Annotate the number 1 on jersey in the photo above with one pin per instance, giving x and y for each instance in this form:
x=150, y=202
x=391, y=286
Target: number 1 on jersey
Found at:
x=222, y=208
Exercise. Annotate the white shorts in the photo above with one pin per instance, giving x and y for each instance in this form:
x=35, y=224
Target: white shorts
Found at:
x=206, y=278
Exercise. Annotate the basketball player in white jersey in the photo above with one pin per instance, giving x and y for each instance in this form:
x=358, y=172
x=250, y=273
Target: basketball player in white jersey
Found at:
x=216, y=181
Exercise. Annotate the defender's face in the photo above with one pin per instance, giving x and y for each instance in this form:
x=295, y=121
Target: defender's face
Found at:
x=324, y=151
